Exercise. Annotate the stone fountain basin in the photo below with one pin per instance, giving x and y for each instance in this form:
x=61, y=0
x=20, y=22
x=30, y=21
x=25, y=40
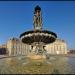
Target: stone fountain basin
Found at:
x=32, y=36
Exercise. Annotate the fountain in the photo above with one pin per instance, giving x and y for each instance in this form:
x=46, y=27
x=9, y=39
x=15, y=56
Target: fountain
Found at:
x=33, y=64
x=38, y=37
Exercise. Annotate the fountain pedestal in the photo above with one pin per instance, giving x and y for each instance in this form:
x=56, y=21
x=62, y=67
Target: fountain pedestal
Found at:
x=36, y=57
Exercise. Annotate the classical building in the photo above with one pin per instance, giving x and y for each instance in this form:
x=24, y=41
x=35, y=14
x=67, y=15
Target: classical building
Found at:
x=57, y=47
x=16, y=47
x=3, y=46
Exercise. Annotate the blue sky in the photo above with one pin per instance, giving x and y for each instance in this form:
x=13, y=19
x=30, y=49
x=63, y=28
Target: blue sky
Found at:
x=17, y=17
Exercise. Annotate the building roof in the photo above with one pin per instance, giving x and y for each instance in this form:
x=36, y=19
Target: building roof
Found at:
x=60, y=40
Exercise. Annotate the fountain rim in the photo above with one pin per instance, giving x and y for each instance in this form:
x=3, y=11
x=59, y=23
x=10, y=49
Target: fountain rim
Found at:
x=40, y=31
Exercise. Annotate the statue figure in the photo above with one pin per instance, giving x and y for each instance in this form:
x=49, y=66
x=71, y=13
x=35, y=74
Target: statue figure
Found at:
x=37, y=18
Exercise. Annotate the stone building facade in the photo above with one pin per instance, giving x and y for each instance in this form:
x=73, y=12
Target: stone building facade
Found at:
x=57, y=47
x=16, y=47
